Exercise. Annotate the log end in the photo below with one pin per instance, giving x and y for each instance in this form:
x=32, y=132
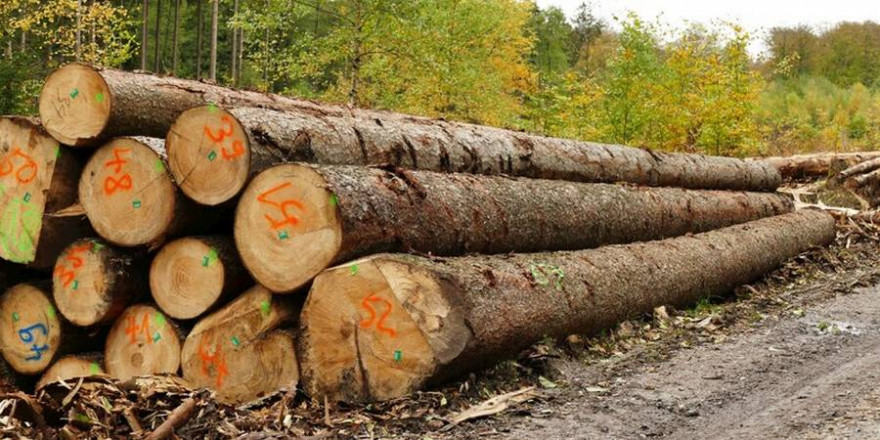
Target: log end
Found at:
x=80, y=285
x=127, y=194
x=287, y=229
x=29, y=157
x=237, y=351
x=70, y=367
x=186, y=278
x=208, y=154
x=75, y=105
x=142, y=342
x=376, y=329
x=30, y=329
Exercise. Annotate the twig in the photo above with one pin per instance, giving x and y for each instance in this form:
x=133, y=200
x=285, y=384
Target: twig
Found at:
x=176, y=419
x=132, y=420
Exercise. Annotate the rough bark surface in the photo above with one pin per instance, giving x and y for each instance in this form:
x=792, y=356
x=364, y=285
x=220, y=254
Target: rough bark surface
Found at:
x=141, y=104
x=38, y=183
x=816, y=165
x=376, y=210
x=459, y=314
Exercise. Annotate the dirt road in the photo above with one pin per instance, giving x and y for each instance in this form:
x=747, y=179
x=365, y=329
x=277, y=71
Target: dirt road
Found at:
x=811, y=373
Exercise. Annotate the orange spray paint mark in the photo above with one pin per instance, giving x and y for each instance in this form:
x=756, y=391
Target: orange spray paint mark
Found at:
x=224, y=132
x=216, y=360
x=380, y=325
x=24, y=173
x=289, y=219
x=133, y=329
x=123, y=181
x=72, y=256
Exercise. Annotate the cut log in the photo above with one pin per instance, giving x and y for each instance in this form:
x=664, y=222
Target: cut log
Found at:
x=236, y=352
x=141, y=342
x=295, y=220
x=811, y=166
x=37, y=182
x=390, y=324
x=31, y=332
x=860, y=168
x=72, y=367
x=212, y=152
x=193, y=275
x=94, y=282
x=129, y=196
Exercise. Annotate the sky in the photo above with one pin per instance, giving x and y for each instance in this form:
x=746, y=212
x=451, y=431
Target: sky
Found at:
x=757, y=16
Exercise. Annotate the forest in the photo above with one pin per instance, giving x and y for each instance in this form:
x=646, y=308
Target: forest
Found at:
x=636, y=80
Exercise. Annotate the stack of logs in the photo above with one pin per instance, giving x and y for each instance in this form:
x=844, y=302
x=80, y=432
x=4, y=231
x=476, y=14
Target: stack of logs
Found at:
x=252, y=242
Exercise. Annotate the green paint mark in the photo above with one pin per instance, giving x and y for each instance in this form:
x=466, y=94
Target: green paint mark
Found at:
x=136, y=204
x=210, y=258
x=74, y=93
x=99, y=97
x=334, y=200
x=94, y=368
x=75, y=284
x=212, y=155
x=283, y=235
x=541, y=271
x=159, y=319
x=160, y=166
x=212, y=107
x=96, y=246
x=353, y=269
x=50, y=311
x=57, y=152
x=156, y=337
x=265, y=307
x=235, y=341
x=397, y=355
x=15, y=317
x=27, y=197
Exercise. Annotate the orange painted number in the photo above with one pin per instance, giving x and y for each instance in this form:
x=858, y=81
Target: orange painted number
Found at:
x=217, y=360
x=219, y=136
x=68, y=275
x=133, y=329
x=283, y=206
x=237, y=150
x=24, y=173
x=111, y=183
x=380, y=325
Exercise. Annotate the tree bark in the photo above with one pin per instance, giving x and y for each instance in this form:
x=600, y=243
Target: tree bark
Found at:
x=859, y=169
x=37, y=186
x=72, y=367
x=145, y=15
x=237, y=350
x=811, y=166
x=212, y=72
x=295, y=220
x=94, y=282
x=388, y=325
x=142, y=342
x=130, y=198
x=33, y=334
x=193, y=275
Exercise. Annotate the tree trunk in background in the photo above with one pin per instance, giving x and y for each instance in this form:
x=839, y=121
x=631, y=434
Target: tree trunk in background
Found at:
x=199, y=30
x=391, y=324
x=145, y=13
x=234, y=60
x=175, y=51
x=294, y=220
x=215, y=12
x=78, y=33
x=157, y=51
x=805, y=166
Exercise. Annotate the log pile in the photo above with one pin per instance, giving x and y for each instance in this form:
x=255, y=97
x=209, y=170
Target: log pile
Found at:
x=249, y=242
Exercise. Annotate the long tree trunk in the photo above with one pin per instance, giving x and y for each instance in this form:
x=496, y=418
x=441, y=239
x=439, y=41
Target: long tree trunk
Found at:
x=388, y=325
x=215, y=12
x=819, y=165
x=38, y=182
x=237, y=350
x=199, y=31
x=94, y=282
x=193, y=275
x=295, y=220
x=142, y=342
x=145, y=16
x=72, y=367
x=129, y=197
